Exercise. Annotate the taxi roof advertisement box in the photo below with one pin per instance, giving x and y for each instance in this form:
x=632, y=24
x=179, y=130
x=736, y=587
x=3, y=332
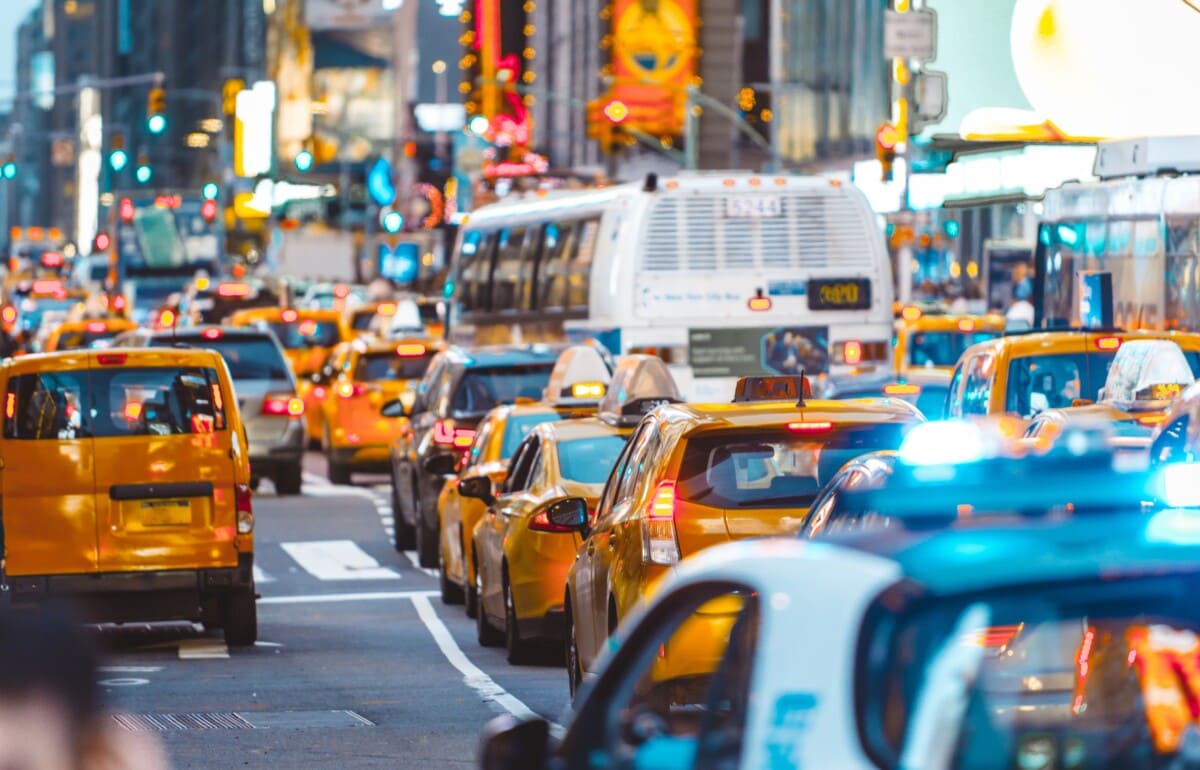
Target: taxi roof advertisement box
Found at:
x=764, y=351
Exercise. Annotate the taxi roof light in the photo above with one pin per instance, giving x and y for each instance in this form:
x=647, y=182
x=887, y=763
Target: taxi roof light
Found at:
x=580, y=377
x=911, y=313
x=783, y=388
x=411, y=350
x=640, y=384
x=588, y=390
x=1108, y=343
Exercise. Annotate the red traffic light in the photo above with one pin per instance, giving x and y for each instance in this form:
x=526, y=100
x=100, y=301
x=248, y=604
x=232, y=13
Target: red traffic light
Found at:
x=126, y=210
x=208, y=210
x=101, y=242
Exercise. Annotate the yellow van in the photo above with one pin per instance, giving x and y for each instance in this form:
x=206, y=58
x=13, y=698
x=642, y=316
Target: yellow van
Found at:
x=125, y=486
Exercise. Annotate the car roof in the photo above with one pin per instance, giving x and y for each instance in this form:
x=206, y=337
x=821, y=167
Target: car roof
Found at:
x=503, y=355
x=1032, y=343
x=583, y=427
x=774, y=413
x=194, y=331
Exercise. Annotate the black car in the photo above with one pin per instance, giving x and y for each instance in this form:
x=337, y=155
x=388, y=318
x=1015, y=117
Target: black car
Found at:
x=458, y=389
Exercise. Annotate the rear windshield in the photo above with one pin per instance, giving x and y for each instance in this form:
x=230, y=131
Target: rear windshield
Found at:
x=307, y=334
x=389, y=367
x=931, y=399
x=1084, y=675
x=76, y=340
x=1037, y=383
x=113, y=402
x=482, y=388
x=517, y=428
x=589, y=460
x=773, y=468
x=943, y=348
x=249, y=357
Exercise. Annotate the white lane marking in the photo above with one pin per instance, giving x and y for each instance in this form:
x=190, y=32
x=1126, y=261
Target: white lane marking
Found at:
x=123, y=682
x=262, y=577
x=314, y=480
x=202, y=649
x=416, y=562
x=338, y=560
x=473, y=676
x=387, y=519
x=373, y=596
x=129, y=669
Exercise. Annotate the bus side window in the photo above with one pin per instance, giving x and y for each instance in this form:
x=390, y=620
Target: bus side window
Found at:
x=954, y=405
x=508, y=269
x=580, y=270
x=557, y=247
x=476, y=270
x=527, y=280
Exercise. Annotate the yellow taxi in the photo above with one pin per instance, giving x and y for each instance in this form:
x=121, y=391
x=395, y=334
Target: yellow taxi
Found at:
x=928, y=339
x=578, y=381
x=363, y=319
x=1023, y=375
x=356, y=434
x=149, y=514
x=314, y=389
x=694, y=476
x=94, y=333
x=307, y=336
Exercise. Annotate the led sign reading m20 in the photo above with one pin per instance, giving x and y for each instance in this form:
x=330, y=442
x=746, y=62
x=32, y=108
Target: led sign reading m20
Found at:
x=839, y=294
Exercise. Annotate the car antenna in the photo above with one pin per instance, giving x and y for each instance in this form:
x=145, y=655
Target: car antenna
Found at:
x=800, y=391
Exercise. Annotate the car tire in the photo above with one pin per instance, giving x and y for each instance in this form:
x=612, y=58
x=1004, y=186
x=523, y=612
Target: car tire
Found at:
x=338, y=473
x=470, y=597
x=405, y=536
x=484, y=633
x=517, y=650
x=427, y=543
x=574, y=668
x=287, y=481
x=451, y=592
x=241, y=618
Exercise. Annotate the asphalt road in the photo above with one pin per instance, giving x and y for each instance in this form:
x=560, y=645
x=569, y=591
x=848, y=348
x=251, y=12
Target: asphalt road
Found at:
x=358, y=665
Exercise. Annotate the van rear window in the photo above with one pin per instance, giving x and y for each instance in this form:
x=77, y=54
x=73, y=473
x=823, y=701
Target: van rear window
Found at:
x=774, y=467
x=117, y=402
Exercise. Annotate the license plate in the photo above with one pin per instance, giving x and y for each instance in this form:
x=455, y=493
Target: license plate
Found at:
x=753, y=207
x=165, y=513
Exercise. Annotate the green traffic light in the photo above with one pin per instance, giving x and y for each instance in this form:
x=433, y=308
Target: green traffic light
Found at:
x=304, y=160
x=9, y=170
x=210, y=191
x=118, y=160
x=143, y=174
x=951, y=228
x=393, y=222
x=156, y=124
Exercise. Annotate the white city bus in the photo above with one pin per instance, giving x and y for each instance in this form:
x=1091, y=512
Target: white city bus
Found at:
x=1141, y=223
x=722, y=275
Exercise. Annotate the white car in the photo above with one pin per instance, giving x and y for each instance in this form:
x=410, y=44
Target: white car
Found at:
x=1007, y=644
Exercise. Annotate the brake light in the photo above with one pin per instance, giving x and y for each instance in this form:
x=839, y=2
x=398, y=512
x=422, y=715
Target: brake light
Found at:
x=318, y=392
x=47, y=287
x=852, y=352
x=52, y=259
x=410, y=350
x=463, y=438
x=911, y=313
x=341, y=291
x=1151, y=420
x=386, y=309
x=759, y=303
x=110, y=359
x=822, y=426
x=966, y=325
x=9, y=314
x=166, y=319
x=289, y=316
x=243, y=502
x=97, y=327
x=542, y=523
x=1108, y=343
x=211, y=334
x=119, y=302
x=280, y=405
x=233, y=290
x=902, y=389
x=660, y=545
x=350, y=389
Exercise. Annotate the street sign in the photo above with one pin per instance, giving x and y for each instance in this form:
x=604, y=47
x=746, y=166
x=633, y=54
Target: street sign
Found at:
x=911, y=35
x=930, y=97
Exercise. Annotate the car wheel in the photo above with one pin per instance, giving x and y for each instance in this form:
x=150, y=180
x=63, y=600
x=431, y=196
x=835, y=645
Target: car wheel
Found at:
x=405, y=535
x=574, y=668
x=427, y=543
x=470, y=597
x=484, y=633
x=517, y=650
x=241, y=618
x=287, y=481
x=451, y=592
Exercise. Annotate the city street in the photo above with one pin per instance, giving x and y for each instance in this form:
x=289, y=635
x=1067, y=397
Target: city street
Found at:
x=366, y=664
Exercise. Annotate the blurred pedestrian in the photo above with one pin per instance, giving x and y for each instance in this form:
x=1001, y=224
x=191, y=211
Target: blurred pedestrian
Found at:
x=50, y=710
x=1020, y=313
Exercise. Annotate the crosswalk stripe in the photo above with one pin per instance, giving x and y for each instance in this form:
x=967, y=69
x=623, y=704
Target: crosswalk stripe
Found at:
x=337, y=560
x=262, y=577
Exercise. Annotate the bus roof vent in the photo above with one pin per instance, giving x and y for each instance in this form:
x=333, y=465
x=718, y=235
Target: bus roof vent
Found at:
x=1147, y=156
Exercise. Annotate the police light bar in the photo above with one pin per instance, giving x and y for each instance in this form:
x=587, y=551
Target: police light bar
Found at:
x=785, y=388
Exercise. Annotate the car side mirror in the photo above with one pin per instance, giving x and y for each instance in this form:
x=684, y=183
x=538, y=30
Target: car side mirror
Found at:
x=509, y=744
x=394, y=408
x=478, y=488
x=569, y=513
x=440, y=465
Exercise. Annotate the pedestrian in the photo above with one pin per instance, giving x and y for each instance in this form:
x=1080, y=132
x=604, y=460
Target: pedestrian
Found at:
x=1020, y=314
x=50, y=708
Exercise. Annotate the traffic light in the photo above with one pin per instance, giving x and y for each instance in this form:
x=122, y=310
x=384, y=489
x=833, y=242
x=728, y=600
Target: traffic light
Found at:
x=304, y=161
x=208, y=210
x=229, y=92
x=126, y=210
x=101, y=242
x=143, y=173
x=156, y=108
x=9, y=169
x=951, y=228
x=391, y=220
x=118, y=158
x=886, y=139
x=210, y=191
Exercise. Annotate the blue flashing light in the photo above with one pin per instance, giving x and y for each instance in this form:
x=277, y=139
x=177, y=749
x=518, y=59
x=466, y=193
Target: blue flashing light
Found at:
x=1180, y=483
x=948, y=442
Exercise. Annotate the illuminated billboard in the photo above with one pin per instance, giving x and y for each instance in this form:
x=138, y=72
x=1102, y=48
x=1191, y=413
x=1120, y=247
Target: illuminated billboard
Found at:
x=653, y=62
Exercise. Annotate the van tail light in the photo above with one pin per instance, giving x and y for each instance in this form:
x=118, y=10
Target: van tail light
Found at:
x=245, y=509
x=110, y=359
x=350, y=389
x=1108, y=343
x=852, y=352
x=542, y=523
x=659, y=543
x=283, y=404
